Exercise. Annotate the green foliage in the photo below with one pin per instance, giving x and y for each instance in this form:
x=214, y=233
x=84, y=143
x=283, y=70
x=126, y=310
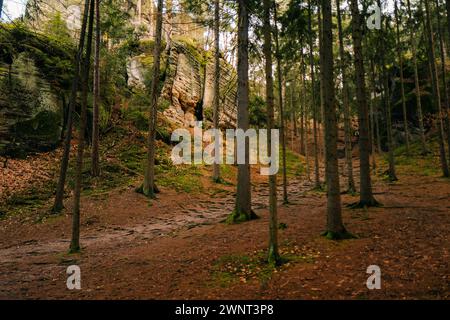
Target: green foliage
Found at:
x=56, y=28
x=52, y=57
x=138, y=118
x=295, y=166
x=258, y=111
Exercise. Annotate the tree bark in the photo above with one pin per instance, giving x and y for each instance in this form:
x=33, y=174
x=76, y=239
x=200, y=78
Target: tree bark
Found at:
x=335, y=227
x=416, y=81
x=387, y=104
x=305, y=119
x=444, y=77
x=273, y=254
x=313, y=99
x=375, y=139
x=402, y=87
x=348, y=141
x=243, y=208
x=95, y=166
x=366, y=195
x=216, y=166
x=59, y=197
x=149, y=188
x=436, y=90
x=75, y=242
x=282, y=116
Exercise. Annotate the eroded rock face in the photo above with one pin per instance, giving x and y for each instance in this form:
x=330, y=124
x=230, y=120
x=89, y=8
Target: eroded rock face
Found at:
x=30, y=118
x=135, y=72
x=189, y=91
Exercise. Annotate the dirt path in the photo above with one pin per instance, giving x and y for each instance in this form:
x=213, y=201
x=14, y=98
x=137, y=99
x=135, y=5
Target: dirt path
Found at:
x=172, y=248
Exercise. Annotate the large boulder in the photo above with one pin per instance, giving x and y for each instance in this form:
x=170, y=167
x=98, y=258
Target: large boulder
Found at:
x=30, y=116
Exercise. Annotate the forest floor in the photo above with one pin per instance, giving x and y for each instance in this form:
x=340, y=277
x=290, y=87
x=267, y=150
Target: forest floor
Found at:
x=178, y=247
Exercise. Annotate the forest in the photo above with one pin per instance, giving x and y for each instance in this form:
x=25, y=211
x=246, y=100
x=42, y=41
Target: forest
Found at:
x=224, y=149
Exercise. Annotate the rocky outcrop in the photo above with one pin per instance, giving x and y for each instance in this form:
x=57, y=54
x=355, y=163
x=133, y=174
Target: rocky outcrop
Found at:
x=30, y=118
x=189, y=85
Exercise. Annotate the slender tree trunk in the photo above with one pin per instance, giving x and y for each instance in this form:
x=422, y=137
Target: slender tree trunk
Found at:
x=446, y=114
x=302, y=129
x=348, y=141
x=366, y=195
x=402, y=87
x=447, y=6
x=282, y=117
x=416, y=81
x=216, y=166
x=335, y=227
x=75, y=243
x=243, y=209
x=436, y=90
x=149, y=188
x=322, y=150
x=95, y=167
x=313, y=99
x=375, y=138
x=305, y=118
x=387, y=104
x=273, y=255
x=375, y=115
x=59, y=197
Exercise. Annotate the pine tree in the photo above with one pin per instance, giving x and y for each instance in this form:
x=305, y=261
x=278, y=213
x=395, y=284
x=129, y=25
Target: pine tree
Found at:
x=366, y=195
x=149, y=187
x=273, y=255
x=75, y=242
x=58, y=204
x=95, y=166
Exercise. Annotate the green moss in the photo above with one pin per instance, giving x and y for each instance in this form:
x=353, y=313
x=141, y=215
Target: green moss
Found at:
x=331, y=235
x=239, y=217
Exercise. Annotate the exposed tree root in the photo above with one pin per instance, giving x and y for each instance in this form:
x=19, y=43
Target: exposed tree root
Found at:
x=140, y=190
x=238, y=217
x=218, y=180
x=365, y=204
x=343, y=235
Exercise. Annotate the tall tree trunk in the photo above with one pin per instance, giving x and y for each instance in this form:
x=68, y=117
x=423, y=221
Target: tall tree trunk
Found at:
x=387, y=103
x=149, y=188
x=313, y=99
x=302, y=126
x=59, y=197
x=402, y=87
x=243, y=209
x=375, y=116
x=282, y=116
x=348, y=141
x=216, y=166
x=335, y=227
x=366, y=195
x=95, y=167
x=447, y=6
x=375, y=138
x=305, y=118
x=436, y=90
x=416, y=81
x=273, y=254
x=75, y=243
x=444, y=77
x=322, y=150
